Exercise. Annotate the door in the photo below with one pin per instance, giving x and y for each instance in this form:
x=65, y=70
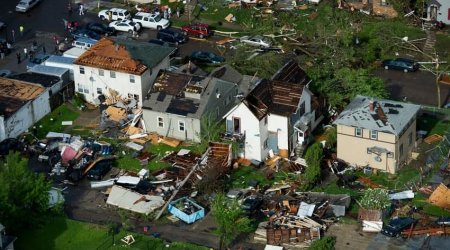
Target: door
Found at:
x=433, y=12
x=236, y=125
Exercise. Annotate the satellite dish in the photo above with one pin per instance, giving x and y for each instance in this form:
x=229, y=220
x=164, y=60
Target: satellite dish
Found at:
x=377, y=158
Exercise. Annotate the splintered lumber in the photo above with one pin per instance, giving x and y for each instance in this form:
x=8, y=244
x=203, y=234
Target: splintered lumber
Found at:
x=427, y=231
x=432, y=138
x=368, y=182
x=171, y=142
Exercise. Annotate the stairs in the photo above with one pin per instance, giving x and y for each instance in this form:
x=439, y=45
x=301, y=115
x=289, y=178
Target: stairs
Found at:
x=428, y=47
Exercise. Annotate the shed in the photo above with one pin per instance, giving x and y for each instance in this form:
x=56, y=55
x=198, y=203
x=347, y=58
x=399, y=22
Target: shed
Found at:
x=61, y=62
x=187, y=210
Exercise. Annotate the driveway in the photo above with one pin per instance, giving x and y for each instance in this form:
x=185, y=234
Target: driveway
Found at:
x=418, y=87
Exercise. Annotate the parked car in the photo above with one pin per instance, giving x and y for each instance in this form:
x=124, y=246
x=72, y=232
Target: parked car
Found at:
x=165, y=44
x=235, y=193
x=101, y=29
x=202, y=57
x=100, y=169
x=5, y=72
x=36, y=60
x=171, y=36
x=406, y=65
x=396, y=226
x=84, y=43
x=125, y=26
x=114, y=14
x=443, y=221
x=151, y=21
x=251, y=203
x=2, y=25
x=200, y=30
x=26, y=5
x=258, y=41
x=84, y=33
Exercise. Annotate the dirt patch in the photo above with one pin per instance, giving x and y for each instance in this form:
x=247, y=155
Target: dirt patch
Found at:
x=350, y=236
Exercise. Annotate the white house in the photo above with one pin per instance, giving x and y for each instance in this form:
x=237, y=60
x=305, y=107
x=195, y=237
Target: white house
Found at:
x=125, y=66
x=21, y=105
x=277, y=115
x=439, y=10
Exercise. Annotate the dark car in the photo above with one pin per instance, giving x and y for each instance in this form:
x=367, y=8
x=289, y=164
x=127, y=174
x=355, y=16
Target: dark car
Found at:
x=100, y=169
x=171, y=36
x=403, y=64
x=251, y=203
x=79, y=33
x=200, y=30
x=165, y=44
x=202, y=57
x=37, y=60
x=396, y=226
x=443, y=221
x=100, y=29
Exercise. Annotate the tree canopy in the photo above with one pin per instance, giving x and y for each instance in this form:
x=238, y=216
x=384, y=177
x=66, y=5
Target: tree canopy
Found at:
x=230, y=219
x=23, y=193
x=313, y=158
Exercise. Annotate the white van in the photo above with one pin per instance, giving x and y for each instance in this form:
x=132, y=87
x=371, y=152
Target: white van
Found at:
x=25, y=5
x=83, y=43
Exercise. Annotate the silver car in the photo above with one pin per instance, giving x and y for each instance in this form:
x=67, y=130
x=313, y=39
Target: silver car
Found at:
x=25, y=5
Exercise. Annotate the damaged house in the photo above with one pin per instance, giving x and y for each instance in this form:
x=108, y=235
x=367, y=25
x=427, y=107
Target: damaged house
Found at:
x=376, y=133
x=125, y=67
x=22, y=104
x=376, y=7
x=177, y=102
x=277, y=116
x=438, y=10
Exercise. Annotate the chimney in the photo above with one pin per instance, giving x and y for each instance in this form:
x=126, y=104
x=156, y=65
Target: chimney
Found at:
x=371, y=106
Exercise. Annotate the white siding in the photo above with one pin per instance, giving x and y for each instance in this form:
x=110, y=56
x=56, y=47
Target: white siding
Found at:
x=279, y=125
x=2, y=129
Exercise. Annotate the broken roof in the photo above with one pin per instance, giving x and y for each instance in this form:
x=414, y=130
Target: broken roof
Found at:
x=387, y=116
x=14, y=94
x=291, y=72
x=182, y=94
x=42, y=79
x=274, y=97
x=126, y=56
x=130, y=200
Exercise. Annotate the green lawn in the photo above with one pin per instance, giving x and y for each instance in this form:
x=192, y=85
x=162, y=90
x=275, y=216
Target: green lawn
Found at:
x=52, y=121
x=61, y=233
x=433, y=125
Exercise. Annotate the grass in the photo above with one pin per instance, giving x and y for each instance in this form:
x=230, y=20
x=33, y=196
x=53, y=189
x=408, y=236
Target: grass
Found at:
x=128, y=162
x=394, y=182
x=52, y=121
x=433, y=125
x=61, y=233
x=420, y=201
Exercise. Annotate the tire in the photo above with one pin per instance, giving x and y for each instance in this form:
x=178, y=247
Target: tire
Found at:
x=201, y=36
x=386, y=67
x=185, y=33
x=130, y=31
x=158, y=28
x=177, y=43
x=405, y=70
x=102, y=18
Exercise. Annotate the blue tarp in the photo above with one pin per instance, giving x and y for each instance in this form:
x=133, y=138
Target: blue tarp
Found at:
x=187, y=216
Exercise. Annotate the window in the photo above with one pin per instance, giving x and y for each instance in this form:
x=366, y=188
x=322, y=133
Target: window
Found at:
x=265, y=120
x=181, y=126
x=384, y=3
x=358, y=132
x=101, y=72
x=82, y=70
x=401, y=150
x=410, y=140
x=99, y=91
x=112, y=74
x=266, y=143
x=132, y=79
x=133, y=96
x=302, y=109
x=390, y=155
x=86, y=90
x=160, y=122
x=80, y=88
x=373, y=134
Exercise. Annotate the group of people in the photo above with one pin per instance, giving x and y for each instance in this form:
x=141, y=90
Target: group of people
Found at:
x=70, y=25
x=80, y=9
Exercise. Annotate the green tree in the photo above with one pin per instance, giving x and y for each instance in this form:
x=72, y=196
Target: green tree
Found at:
x=230, y=219
x=313, y=158
x=331, y=138
x=376, y=198
x=326, y=243
x=23, y=194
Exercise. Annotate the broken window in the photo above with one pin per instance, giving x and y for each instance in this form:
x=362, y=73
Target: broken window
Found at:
x=82, y=70
x=112, y=74
x=373, y=134
x=160, y=122
x=181, y=126
x=99, y=91
x=358, y=132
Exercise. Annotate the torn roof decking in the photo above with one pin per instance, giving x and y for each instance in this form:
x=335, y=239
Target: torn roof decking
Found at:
x=123, y=55
x=173, y=83
x=291, y=72
x=275, y=97
x=14, y=94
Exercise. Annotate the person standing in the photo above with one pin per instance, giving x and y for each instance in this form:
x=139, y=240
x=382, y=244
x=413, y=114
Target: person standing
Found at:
x=25, y=52
x=178, y=12
x=165, y=14
x=13, y=36
x=21, y=29
x=81, y=9
x=169, y=12
x=65, y=24
x=18, y=57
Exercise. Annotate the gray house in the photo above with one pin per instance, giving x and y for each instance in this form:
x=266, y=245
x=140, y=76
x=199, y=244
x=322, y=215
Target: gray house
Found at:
x=439, y=10
x=177, y=102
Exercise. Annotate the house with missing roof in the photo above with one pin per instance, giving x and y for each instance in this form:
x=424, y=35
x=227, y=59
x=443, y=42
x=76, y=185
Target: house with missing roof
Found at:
x=22, y=104
x=376, y=133
x=277, y=116
x=124, y=66
x=177, y=102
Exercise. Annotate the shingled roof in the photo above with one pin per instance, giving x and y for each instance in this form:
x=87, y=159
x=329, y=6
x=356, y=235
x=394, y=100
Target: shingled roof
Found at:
x=274, y=97
x=384, y=115
x=126, y=56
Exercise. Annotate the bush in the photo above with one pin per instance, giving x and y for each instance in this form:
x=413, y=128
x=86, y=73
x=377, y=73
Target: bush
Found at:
x=375, y=199
x=326, y=243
